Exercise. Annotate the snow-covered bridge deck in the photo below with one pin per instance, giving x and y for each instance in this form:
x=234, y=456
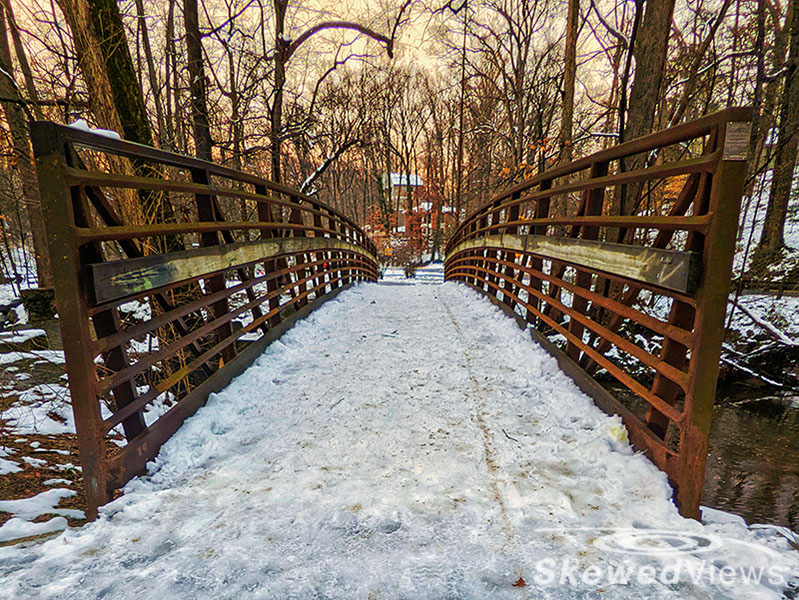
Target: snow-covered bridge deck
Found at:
x=404, y=441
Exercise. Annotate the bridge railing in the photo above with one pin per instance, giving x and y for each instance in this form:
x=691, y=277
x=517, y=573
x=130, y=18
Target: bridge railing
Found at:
x=621, y=263
x=171, y=275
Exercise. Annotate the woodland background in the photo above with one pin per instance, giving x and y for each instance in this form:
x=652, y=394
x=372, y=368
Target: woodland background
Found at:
x=327, y=96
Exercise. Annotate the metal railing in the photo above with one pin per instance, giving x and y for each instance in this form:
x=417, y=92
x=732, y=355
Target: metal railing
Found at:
x=157, y=313
x=621, y=262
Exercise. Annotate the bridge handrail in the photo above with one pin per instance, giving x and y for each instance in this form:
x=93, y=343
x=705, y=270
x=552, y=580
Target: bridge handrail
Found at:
x=211, y=292
x=659, y=139
x=576, y=271
x=132, y=150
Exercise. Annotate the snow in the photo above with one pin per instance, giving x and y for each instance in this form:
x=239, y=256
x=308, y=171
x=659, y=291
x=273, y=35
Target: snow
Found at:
x=403, y=441
x=713, y=515
x=138, y=309
x=7, y=466
x=43, y=409
x=53, y=356
x=27, y=509
x=82, y=125
x=16, y=528
x=58, y=481
x=40, y=504
x=20, y=337
x=767, y=313
x=751, y=225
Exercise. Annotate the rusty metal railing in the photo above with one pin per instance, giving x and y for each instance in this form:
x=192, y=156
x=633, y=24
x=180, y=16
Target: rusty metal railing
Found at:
x=621, y=262
x=156, y=313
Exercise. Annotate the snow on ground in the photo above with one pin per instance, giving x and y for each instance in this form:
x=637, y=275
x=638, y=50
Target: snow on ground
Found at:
x=782, y=313
x=753, y=215
x=404, y=441
x=20, y=337
x=43, y=409
x=7, y=466
x=429, y=274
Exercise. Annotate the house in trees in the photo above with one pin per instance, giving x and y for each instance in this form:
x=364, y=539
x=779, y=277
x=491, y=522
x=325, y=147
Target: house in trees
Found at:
x=400, y=189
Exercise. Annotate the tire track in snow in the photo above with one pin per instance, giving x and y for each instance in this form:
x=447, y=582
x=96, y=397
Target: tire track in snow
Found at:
x=495, y=479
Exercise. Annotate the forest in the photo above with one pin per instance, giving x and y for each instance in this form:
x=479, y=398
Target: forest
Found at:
x=469, y=96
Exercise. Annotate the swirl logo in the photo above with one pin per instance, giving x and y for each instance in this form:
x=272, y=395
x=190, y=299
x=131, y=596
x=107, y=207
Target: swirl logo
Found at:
x=648, y=542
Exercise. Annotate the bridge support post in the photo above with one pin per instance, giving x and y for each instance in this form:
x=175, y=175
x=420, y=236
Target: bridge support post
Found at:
x=61, y=211
x=711, y=299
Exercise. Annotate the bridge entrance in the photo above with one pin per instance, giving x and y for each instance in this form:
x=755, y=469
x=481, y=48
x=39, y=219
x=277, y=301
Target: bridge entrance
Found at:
x=173, y=275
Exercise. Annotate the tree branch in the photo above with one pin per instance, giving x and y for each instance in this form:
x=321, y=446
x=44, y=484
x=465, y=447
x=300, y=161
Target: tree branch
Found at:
x=292, y=47
x=324, y=166
x=625, y=42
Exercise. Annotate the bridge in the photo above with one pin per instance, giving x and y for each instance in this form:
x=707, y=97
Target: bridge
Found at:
x=291, y=413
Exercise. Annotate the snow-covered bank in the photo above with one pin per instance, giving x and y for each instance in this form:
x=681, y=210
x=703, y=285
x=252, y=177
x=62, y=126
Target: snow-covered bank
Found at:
x=405, y=441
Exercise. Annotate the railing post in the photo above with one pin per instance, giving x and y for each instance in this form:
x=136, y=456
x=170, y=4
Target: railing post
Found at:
x=265, y=215
x=513, y=215
x=216, y=283
x=318, y=269
x=593, y=206
x=719, y=250
x=58, y=210
x=537, y=264
x=296, y=218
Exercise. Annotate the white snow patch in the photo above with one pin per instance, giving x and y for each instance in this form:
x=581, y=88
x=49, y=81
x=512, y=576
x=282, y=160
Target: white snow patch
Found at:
x=20, y=337
x=44, y=503
x=43, y=409
x=53, y=356
x=82, y=125
x=15, y=528
x=8, y=466
x=58, y=481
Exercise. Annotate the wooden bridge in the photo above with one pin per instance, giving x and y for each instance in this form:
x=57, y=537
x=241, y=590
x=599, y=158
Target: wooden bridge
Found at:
x=163, y=312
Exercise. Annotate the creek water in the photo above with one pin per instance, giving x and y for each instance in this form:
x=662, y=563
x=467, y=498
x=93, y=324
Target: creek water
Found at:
x=753, y=466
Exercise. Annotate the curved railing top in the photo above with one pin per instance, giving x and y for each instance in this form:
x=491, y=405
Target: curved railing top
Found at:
x=674, y=135
x=44, y=130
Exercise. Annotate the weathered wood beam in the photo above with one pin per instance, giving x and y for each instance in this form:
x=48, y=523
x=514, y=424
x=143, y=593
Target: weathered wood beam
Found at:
x=679, y=271
x=109, y=281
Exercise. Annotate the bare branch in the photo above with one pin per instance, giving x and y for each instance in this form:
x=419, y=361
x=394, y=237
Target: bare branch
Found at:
x=292, y=47
x=611, y=30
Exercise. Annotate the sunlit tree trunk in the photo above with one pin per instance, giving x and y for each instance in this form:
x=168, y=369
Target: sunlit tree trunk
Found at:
x=22, y=156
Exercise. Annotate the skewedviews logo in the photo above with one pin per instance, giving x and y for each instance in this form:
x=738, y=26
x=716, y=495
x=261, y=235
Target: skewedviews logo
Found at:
x=647, y=557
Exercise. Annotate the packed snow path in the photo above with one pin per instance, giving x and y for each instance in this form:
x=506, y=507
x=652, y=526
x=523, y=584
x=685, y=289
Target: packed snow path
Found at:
x=404, y=441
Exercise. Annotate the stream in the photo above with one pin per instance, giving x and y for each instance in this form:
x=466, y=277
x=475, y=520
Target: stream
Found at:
x=753, y=465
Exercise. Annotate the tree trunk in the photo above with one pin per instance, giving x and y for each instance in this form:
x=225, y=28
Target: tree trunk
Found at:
x=650, y=58
x=126, y=92
x=199, y=108
x=649, y=50
x=91, y=63
x=281, y=49
x=772, y=239
x=569, y=75
x=151, y=76
x=23, y=159
x=115, y=97
x=22, y=59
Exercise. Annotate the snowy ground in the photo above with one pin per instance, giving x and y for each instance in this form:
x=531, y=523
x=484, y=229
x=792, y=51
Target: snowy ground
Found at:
x=404, y=441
